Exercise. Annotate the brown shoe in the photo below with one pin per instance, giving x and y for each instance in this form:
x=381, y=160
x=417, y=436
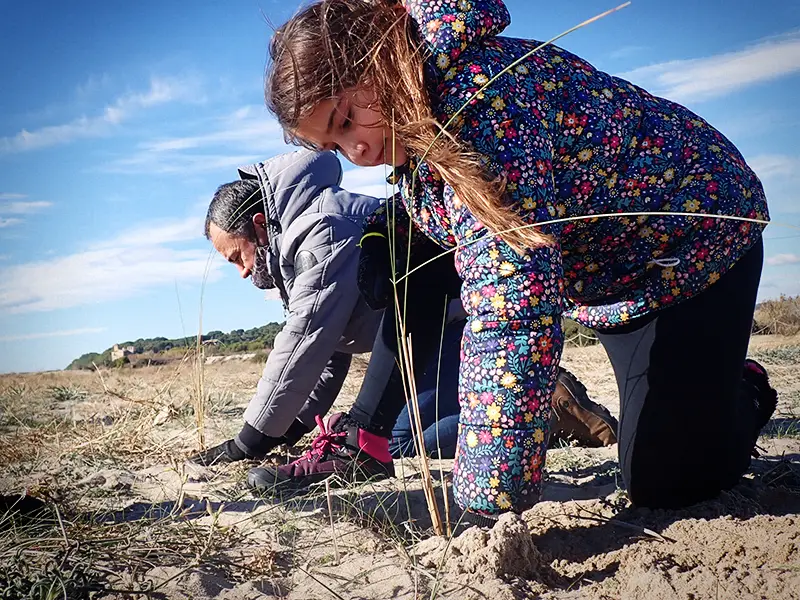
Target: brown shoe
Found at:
x=576, y=417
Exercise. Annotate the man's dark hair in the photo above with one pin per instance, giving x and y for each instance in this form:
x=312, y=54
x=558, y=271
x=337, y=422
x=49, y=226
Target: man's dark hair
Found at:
x=233, y=206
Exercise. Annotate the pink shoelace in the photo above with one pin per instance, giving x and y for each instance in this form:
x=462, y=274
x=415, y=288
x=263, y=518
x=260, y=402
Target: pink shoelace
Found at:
x=324, y=441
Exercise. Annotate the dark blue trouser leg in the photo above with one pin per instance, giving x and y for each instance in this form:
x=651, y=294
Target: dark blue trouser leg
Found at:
x=441, y=435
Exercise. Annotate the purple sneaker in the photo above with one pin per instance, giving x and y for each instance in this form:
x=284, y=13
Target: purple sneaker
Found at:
x=342, y=449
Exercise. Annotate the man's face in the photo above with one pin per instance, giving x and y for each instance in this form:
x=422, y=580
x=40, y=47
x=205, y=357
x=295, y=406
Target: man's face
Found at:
x=236, y=249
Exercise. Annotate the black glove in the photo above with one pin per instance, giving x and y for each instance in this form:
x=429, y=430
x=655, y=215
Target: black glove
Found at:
x=222, y=454
x=375, y=271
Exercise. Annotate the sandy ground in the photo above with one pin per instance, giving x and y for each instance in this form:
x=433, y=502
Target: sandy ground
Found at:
x=127, y=521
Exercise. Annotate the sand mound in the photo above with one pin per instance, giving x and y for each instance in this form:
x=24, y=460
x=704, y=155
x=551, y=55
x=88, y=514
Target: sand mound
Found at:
x=506, y=551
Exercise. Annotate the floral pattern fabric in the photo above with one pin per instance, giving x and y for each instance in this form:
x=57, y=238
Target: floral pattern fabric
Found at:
x=571, y=141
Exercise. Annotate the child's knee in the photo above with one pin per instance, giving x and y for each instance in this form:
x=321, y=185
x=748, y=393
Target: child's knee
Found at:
x=678, y=486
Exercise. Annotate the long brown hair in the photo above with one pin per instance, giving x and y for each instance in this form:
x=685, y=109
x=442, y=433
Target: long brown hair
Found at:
x=335, y=45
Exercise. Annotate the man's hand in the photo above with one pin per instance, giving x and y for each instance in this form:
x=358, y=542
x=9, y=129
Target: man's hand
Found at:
x=222, y=454
x=257, y=443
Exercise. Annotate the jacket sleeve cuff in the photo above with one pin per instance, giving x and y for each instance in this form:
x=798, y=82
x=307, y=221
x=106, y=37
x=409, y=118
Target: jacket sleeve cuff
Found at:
x=257, y=445
x=254, y=443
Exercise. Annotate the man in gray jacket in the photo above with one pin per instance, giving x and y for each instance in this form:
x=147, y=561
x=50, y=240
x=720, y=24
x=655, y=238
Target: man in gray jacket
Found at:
x=289, y=226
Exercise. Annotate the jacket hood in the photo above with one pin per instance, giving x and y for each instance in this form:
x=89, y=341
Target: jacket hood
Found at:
x=291, y=182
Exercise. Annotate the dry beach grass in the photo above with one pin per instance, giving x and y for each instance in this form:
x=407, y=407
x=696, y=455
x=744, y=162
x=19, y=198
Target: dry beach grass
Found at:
x=125, y=520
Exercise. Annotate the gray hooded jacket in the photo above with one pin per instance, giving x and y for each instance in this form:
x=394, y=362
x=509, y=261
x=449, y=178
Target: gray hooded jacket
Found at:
x=314, y=227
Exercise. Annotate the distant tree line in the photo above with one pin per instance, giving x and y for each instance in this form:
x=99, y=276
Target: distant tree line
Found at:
x=217, y=342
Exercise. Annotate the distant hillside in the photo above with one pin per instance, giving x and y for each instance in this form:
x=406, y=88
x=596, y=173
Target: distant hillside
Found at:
x=779, y=316
x=217, y=342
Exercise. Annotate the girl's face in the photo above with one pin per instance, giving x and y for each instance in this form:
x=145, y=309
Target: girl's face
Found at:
x=352, y=124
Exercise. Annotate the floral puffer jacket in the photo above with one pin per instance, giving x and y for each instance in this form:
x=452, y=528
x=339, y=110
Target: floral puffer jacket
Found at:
x=571, y=141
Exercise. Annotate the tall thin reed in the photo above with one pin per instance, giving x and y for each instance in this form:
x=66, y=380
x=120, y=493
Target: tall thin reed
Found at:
x=200, y=401
x=407, y=362
x=436, y=417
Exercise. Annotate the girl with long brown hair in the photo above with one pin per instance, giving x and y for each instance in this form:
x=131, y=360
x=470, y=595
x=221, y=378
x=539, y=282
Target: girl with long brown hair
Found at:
x=565, y=191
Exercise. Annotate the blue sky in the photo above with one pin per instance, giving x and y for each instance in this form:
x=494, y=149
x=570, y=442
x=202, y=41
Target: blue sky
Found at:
x=118, y=120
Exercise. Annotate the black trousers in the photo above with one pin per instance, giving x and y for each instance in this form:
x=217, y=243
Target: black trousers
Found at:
x=423, y=299
x=687, y=426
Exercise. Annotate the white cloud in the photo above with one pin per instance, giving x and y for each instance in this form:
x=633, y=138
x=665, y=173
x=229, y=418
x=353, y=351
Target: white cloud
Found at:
x=783, y=259
x=370, y=181
x=156, y=233
x=247, y=128
x=773, y=286
x=769, y=166
x=181, y=163
x=626, y=51
x=53, y=135
x=22, y=208
x=50, y=334
x=11, y=204
x=161, y=91
x=242, y=137
x=704, y=78
x=780, y=174
x=92, y=85
x=133, y=262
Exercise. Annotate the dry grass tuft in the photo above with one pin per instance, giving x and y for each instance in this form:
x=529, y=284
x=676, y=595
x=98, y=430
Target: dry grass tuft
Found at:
x=780, y=316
